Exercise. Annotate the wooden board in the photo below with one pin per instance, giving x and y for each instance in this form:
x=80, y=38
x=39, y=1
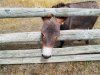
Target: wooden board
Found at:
x=79, y=53
x=40, y=12
x=56, y=51
x=85, y=57
x=35, y=37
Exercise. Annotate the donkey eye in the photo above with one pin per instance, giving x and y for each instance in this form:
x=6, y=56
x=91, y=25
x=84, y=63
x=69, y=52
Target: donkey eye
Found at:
x=43, y=35
x=55, y=37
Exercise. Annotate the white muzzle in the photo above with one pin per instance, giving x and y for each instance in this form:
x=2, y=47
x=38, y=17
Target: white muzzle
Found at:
x=47, y=51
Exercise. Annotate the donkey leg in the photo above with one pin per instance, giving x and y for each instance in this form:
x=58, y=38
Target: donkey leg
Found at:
x=87, y=42
x=61, y=44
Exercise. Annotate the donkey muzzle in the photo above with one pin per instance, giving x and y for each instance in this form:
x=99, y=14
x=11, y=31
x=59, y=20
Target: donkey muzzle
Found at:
x=47, y=52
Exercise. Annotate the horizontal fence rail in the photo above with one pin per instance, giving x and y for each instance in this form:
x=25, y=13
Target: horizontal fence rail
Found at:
x=41, y=12
x=35, y=37
x=56, y=51
x=59, y=55
x=85, y=57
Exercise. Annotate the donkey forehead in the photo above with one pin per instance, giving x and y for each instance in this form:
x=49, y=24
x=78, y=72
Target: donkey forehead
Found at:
x=50, y=24
x=51, y=21
x=51, y=30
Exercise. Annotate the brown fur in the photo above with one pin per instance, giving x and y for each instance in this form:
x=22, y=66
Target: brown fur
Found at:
x=79, y=22
x=50, y=31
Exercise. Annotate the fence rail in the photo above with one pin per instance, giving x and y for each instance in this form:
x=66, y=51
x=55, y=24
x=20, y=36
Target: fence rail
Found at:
x=41, y=12
x=64, y=35
x=21, y=60
x=59, y=55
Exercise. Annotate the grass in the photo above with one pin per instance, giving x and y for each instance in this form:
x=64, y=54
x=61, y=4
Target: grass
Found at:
x=35, y=24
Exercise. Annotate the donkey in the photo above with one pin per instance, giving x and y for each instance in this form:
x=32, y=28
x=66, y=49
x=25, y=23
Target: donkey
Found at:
x=52, y=25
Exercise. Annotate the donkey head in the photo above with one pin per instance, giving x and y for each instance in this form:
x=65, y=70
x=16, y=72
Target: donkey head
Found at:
x=50, y=32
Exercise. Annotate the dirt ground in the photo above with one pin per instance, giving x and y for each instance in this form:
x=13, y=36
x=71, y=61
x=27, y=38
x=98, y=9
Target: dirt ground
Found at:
x=34, y=24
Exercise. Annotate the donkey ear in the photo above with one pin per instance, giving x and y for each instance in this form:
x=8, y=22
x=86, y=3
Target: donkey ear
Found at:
x=46, y=18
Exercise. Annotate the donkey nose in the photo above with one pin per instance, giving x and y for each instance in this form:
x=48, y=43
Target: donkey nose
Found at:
x=46, y=52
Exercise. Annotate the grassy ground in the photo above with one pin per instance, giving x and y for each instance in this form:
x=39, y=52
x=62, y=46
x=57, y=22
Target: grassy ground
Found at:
x=34, y=24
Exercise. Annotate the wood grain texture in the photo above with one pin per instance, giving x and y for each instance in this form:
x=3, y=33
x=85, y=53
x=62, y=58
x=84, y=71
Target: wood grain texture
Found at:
x=85, y=57
x=56, y=51
x=40, y=12
x=35, y=37
x=59, y=55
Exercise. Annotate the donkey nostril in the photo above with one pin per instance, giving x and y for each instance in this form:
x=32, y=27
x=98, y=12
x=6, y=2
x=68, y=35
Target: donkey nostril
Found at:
x=46, y=57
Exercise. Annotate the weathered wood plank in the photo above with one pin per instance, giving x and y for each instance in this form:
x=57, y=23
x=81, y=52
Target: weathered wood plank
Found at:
x=20, y=37
x=40, y=12
x=35, y=36
x=85, y=57
x=56, y=51
x=79, y=34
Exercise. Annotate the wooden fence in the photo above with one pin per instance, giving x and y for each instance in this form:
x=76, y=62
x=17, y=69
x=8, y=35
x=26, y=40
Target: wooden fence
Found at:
x=77, y=53
x=41, y=12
